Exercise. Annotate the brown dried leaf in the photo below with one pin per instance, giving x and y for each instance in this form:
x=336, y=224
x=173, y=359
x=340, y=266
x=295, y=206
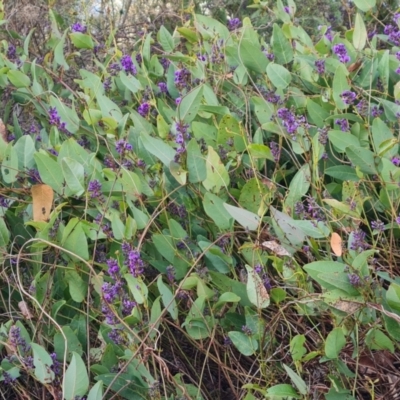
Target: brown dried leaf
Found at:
x=42, y=199
x=275, y=247
x=26, y=312
x=336, y=244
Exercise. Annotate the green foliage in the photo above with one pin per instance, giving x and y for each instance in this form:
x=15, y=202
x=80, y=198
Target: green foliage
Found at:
x=197, y=182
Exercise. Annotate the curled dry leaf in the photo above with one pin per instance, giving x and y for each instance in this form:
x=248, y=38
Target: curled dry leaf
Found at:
x=24, y=308
x=42, y=198
x=275, y=247
x=3, y=130
x=336, y=244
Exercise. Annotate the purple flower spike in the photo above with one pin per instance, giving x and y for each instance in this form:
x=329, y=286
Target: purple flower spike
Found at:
x=144, y=109
x=234, y=23
x=78, y=27
x=341, y=51
x=320, y=66
x=348, y=97
x=127, y=64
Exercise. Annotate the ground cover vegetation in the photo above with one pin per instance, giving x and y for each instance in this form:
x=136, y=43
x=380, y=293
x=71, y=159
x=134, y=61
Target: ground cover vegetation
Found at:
x=212, y=212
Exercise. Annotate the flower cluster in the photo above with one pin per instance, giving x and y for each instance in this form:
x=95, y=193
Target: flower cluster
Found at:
x=12, y=52
x=311, y=211
x=234, y=23
x=94, y=189
x=182, y=78
x=396, y=161
x=343, y=123
x=177, y=210
x=393, y=31
x=78, y=27
x=320, y=66
x=217, y=53
x=55, y=120
x=144, y=109
x=378, y=225
x=323, y=135
x=165, y=63
x=133, y=260
x=348, y=97
x=290, y=121
x=275, y=150
x=127, y=64
x=4, y=202
x=358, y=242
x=354, y=280
x=163, y=87
x=341, y=51
x=122, y=147
x=180, y=137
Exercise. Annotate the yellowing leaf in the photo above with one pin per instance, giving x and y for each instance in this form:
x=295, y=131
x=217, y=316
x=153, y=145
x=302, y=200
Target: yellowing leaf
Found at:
x=217, y=175
x=42, y=199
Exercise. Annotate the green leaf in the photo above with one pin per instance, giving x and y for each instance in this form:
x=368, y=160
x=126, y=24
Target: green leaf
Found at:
x=314, y=229
x=25, y=148
x=334, y=343
x=279, y=75
x=230, y=129
x=317, y=113
x=299, y=186
x=364, y=159
x=260, y=151
x=245, y=218
x=339, y=85
x=130, y=82
x=190, y=105
x=59, y=53
x=341, y=140
x=76, y=379
x=96, y=392
x=178, y=172
x=71, y=341
x=9, y=166
x=74, y=175
x=81, y=40
x=252, y=195
x=360, y=33
x=167, y=298
x=316, y=268
x=138, y=288
x=217, y=175
x=377, y=340
x=195, y=162
x=74, y=239
x=296, y=379
x=77, y=286
x=262, y=109
x=282, y=391
x=365, y=5
x=130, y=182
x=42, y=362
x=343, y=173
x=381, y=133
x=4, y=233
x=166, y=40
x=67, y=114
x=281, y=46
x=393, y=296
x=117, y=226
x=297, y=349
x=18, y=78
x=252, y=57
x=214, y=208
x=247, y=345
x=50, y=172
x=158, y=148
x=127, y=386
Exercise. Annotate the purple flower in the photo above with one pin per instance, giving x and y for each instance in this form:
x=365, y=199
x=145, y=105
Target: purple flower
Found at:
x=328, y=33
x=275, y=150
x=182, y=78
x=398, y=219
x=127, y=307
x=8, y=379
x=271, y=97
x=343, y=123
x=122, y=146
x=376, y=111
x=114, y=68
x=57, y=366
x=110, y=291
x=354, y=279
x=94, y=189
x=348, y=97
x=378, y=225
x=135, y=263
x=398, y=70
x=178, y=100
x=163, y=87
x=165, y=63
x=258, y=269
x=78, y=27
x=117, y=336
x=234, y=23
x=287, y=9
x=323, y=136
x=171, y=273
x=178, y=210
x=246, y=330
x=320, y=66
x=398, y=55
x=299, y=208
x=269, y=55
x=34, y=175
x=127, y=64
x=290, y=121
x=4, y=202
x=113, y=268
x=341, y=51
x=358, y=242
x=396, y=161
x=11, y=52
x=144, y=109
